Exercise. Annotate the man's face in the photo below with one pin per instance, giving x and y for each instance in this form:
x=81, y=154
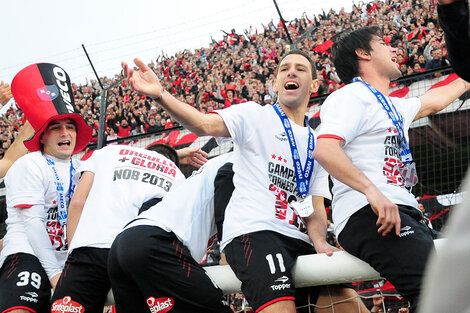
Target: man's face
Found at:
x=294, y=83
x=421, y=207
x=59, y=138
x=417, y=68
x=437, y=54
x=384, y=58
x=403, y=68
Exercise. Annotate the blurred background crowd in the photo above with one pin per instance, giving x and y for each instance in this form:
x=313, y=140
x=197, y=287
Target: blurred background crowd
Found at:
x=240, y=66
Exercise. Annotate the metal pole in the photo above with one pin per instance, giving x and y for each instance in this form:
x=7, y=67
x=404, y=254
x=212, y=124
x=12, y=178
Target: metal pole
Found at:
x=103, y=106
x=102, y=122
x=91, y=63
x=282, y=21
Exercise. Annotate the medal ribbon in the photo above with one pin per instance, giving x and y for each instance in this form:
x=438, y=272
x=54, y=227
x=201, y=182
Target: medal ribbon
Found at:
x=302, y=176
x=396, y=118
x=62, y=204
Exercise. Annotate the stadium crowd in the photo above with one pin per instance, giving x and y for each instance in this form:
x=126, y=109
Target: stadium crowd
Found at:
x=240, y=66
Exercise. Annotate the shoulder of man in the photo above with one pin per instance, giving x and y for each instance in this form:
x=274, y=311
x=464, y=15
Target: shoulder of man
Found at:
x=30, y=164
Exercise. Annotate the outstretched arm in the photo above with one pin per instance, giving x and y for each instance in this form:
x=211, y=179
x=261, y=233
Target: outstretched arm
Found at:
x=17, y=149
x=330, y=155
x=439, y=98
x=146, y=82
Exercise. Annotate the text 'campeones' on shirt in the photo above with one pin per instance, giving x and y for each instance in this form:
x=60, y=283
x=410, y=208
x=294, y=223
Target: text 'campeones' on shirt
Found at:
x=265, y=180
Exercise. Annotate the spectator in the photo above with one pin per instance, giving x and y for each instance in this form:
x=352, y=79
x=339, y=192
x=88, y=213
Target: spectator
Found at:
x=124, y=129
x=437, y=61
x=409, y=25
x=112, y=135
x=378, y=305
x=153, y=127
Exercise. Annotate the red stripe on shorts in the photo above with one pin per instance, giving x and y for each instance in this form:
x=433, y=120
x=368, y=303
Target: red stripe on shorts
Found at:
x=19, y=308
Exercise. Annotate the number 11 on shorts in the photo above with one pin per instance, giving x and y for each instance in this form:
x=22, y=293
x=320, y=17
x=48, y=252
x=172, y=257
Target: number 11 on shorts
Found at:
x=271, y=264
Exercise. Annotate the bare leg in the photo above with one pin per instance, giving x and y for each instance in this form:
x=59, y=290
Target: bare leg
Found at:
x=344, y=300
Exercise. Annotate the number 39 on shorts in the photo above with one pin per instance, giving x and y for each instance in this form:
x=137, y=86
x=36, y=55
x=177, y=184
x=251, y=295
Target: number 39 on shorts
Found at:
x=29, y=278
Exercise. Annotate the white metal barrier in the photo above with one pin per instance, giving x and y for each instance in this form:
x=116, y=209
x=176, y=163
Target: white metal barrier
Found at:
x=309, y=270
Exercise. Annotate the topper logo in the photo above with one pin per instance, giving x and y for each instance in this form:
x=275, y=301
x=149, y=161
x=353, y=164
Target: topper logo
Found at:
x=61, y=79
x=160, y=305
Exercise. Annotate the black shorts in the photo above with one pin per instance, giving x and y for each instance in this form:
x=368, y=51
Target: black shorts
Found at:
x=263, y=262
x=24, y=284
x=151, y=268
x=84, y=281
x=400, y=259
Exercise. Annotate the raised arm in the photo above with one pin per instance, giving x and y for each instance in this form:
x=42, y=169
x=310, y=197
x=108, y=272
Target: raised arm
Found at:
x=5, y=93
x=17, y=149
x=146, y=82
x=439, y=98
x=330, y=155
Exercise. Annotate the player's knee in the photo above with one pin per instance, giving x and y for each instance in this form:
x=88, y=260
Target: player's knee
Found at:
x=286, y=306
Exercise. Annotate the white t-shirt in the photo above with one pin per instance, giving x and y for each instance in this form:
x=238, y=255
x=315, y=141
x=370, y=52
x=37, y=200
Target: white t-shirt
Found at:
x=264, y=179
x=354, y=114
x=31, y=194
x=188, y=209
x=125, y=178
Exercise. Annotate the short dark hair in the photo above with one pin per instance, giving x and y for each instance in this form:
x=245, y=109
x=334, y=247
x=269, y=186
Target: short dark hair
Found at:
x=344, y=50
x=305, y=55
x=167, y=151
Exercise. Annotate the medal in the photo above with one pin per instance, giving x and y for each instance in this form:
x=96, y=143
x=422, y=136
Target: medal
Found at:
x=303, y=207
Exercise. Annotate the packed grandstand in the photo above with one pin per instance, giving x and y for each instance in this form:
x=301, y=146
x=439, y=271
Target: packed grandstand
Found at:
x=240, y=66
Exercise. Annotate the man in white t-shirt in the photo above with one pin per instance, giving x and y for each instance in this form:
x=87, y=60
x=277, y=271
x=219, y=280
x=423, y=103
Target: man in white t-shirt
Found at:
x=118, y=182
x=154, y=262
x=263, y=233
x=364, y=144
x=38, y=189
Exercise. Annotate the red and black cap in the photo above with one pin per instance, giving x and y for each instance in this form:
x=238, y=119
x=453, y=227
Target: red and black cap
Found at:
x=44, y=93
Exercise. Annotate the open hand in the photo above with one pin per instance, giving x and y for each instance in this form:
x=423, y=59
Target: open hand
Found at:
x=144, y=81
x=192, y=156
x=387, y=212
